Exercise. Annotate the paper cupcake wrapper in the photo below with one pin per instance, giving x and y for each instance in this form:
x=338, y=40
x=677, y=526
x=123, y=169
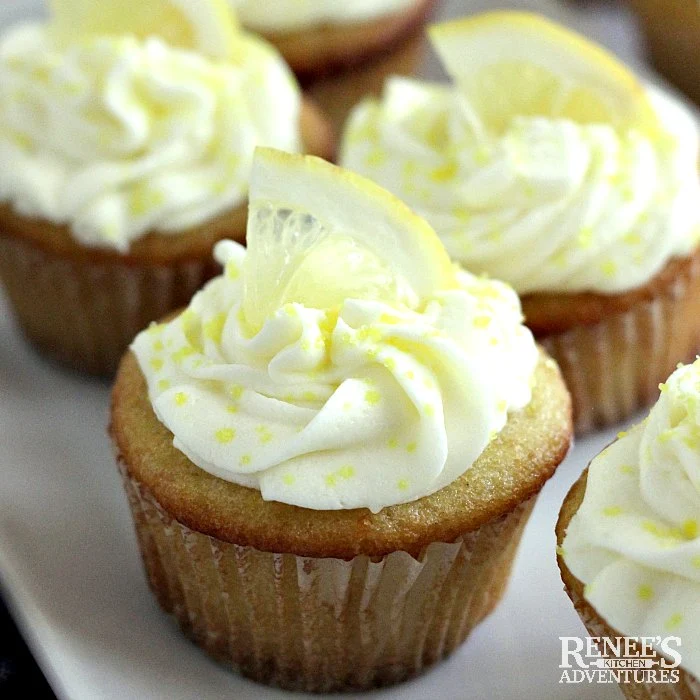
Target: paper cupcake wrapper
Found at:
x=323, y=625
x=687, y=687
x=614, y=367
x=85, y=314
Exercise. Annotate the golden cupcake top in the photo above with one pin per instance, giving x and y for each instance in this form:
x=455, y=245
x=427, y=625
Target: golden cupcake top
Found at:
x=341, y=361
x=124, y=118
x=545, y=162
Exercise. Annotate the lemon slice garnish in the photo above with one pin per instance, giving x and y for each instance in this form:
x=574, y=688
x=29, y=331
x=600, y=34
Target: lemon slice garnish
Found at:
x=318, y=235
x=209, y=27
x=518, y=64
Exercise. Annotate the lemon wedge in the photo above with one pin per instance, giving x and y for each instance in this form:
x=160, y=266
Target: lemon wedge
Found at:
x=318, y=234
x=209, y=27
x=519, y=64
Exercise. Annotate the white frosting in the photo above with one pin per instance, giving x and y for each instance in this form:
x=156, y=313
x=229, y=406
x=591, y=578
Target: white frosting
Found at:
x=118, y=137
x=548, y=205
x=634, y=540
x=370, y=404
x=292, y=15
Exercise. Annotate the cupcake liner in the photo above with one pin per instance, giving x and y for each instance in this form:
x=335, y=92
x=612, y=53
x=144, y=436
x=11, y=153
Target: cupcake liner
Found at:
x=323, y=624
x=85, y=313
x=614, y=367
x=687, y=687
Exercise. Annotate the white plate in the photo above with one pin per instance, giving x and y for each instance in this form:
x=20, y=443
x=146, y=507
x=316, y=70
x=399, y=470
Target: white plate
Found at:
x=70, y=566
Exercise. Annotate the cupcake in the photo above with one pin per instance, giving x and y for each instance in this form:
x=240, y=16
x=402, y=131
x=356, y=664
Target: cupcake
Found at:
x=331, y=454
x=672, y=32
x=629, y=548
x=342, y=51
x=126, y=151
x=548, y=165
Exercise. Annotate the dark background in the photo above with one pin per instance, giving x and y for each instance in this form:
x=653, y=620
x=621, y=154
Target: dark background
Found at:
x=20, y=677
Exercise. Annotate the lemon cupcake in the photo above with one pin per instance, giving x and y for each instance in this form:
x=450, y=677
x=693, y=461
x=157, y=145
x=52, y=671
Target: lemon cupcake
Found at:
x=330, y=456
x=672, y=33
x=547, y=164
x=342, y=51
x=629, y=548
x=126, y=138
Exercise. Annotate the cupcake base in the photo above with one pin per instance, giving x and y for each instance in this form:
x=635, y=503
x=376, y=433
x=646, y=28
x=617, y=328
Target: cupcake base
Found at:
x=290, y=621
x=614, y=351
x=687, y=687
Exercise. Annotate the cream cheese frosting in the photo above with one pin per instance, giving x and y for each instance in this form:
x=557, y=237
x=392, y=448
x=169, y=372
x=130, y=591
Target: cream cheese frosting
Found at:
x=368, y=404
x=634, y=540
x=549, y=205
x=117, y=137
x=293, y=15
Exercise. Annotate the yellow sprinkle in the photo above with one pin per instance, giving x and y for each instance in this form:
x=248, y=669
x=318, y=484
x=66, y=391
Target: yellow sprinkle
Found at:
x=157, y=364
x=585, y=237
x=245, y=460
x=373, y=397
x=695, y=561
x=232, y=408
x=346, y=472
x=331, y=480
x=347, y=406
x=232, y=271
x=559, y=259
x=158, y=346
x=403, y=484
x=264, y=433
x=662, y=387
x=673, y=621
x=235, y=392
x=622, y=433
x=608, y=268
x=393, y=443
x=143, y=200
x=181, y=398
x=371, y=334
x=626, y=469
x=632, y=239
x=502, y=405
x=462, y=213
x=429, y=410
x=410, y=374
x=666, y=436
x=309, y=396
x=225, y=435
x=376, y=158
x=182, y=353
x=305, y=345
x=689, y=528
x=390, y=363
x=495, y=236
x=493, y=341
x=409, y=169
x=215, y=327
x=164, y=384
x=482, y=321
x=482, y=155
x=612, y=511
x=444, y=173
x=288, y=479
x=411, y=447
x=645, y=592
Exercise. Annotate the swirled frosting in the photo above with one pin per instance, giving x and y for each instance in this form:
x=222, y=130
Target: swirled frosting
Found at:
x=365, y=405
x=634, y=540
x=547, y=205
x=292, y=15
x=118, y=137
